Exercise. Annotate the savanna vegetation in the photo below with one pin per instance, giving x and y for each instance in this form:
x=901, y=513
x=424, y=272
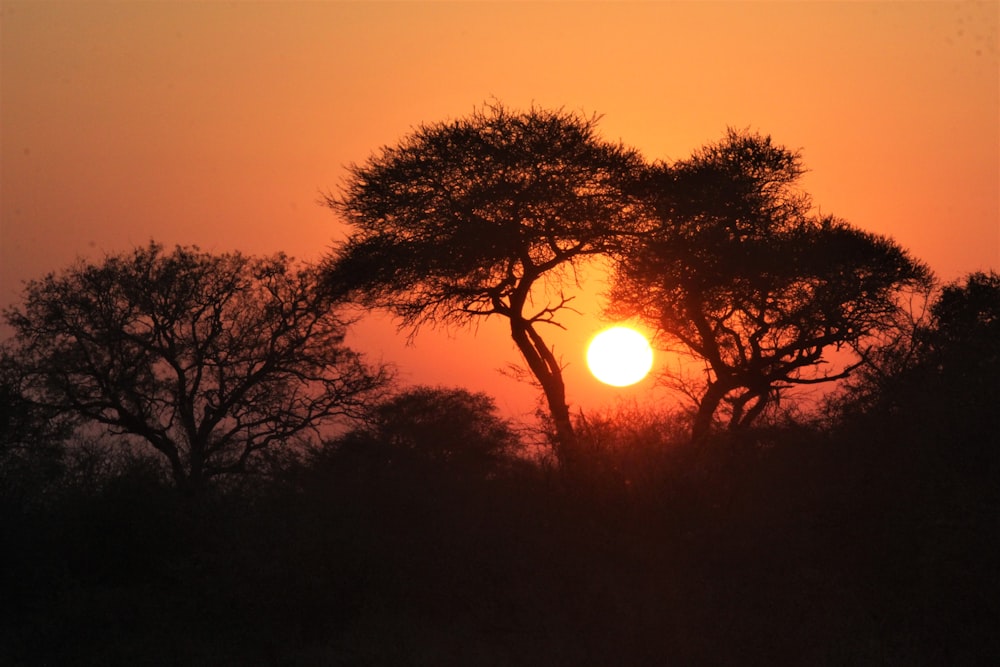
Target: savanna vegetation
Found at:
x=488, y=216
x=195, y=470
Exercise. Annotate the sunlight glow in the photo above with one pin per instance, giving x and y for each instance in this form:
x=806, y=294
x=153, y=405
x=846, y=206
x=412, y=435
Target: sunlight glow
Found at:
x=619, y=356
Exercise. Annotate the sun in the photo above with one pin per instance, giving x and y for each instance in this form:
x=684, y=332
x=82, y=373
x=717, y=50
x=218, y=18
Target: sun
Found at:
x=619, y=356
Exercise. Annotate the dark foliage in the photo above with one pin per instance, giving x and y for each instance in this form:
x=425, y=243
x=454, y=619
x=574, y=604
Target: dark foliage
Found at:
x=963, y=350
x=741, y=275
x=211, y=360
x=939, y=388
x=449, y=428
x=791, y=545
x=487, y=215
x=32, y=437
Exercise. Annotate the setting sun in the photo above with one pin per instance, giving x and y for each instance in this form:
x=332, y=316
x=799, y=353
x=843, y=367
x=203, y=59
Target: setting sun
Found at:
x=619, y=356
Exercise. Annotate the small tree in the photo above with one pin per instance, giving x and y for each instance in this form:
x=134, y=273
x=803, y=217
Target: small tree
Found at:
x=209, y=359
x=965, y=336
x=944, y=380
x=488, y=215
x=741, y=275
x=452, y=428
x=953, y=390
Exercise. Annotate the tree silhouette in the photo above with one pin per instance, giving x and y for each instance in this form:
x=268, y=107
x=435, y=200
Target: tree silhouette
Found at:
x=741, y=275
x=488, y=215
x=952, y=392
x=965, y=337
x=209, y=359
x=450, y=428
x=32, y=450
x=943, y=381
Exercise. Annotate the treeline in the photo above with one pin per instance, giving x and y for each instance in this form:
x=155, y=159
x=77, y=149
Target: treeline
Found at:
x=422, y=534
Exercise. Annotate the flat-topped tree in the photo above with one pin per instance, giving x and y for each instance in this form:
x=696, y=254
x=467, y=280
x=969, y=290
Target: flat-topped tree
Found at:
x=486, y=215
x=742, y=275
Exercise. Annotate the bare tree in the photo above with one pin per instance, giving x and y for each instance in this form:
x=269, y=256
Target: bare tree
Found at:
x=744, y=277
x=488, y=215
x=210, y=359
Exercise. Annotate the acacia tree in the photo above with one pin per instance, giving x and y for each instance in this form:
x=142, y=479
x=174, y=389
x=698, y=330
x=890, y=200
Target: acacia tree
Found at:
x=210, y=359
x=740, y=274
x=487, y=215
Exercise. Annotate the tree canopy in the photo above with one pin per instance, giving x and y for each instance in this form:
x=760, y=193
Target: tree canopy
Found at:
x=209, y=359
x=947, y=371
x=486, y=215
x=740, y=273
x=449, y=428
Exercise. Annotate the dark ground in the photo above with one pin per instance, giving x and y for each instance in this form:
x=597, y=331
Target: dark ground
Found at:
x=804, y=548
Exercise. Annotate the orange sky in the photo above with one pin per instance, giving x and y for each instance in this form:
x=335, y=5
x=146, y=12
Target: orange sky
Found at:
x=220, y=124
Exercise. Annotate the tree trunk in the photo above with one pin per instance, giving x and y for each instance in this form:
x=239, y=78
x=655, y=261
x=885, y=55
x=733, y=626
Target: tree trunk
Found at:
x=749, y=416
x=706, y=410
x=545, y=367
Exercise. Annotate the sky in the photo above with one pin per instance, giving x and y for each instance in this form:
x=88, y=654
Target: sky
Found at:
x=222, y=124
